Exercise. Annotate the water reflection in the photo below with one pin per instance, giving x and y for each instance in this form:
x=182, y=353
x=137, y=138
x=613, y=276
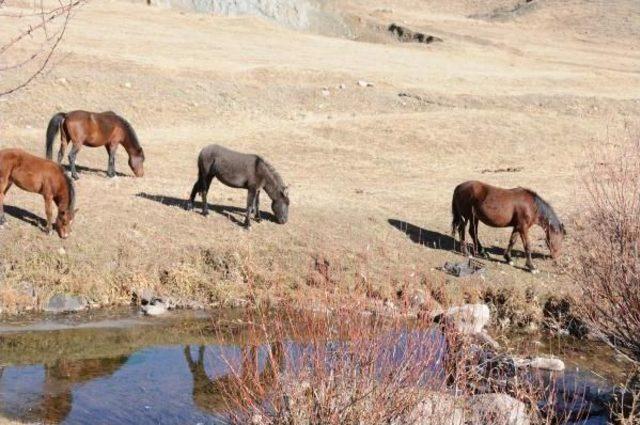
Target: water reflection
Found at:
x=176, y=372
x=49, y=388
x=254, y=376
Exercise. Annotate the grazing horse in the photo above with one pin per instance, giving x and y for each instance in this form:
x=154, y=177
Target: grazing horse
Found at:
x=95, y=129
x=38, y=175
x=520, y=208
x=245, y=171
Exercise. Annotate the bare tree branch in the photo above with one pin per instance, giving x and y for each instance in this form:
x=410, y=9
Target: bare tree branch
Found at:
x=39, y=57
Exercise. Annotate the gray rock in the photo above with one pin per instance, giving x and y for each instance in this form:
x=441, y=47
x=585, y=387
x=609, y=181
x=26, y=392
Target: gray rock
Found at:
x=61, y=303
x=497, y=409
x=468, y=318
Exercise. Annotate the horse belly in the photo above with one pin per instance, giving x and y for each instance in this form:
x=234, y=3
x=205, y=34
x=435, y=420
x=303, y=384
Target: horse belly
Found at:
x=27, y=181
x=237, y=182
x=494, y=215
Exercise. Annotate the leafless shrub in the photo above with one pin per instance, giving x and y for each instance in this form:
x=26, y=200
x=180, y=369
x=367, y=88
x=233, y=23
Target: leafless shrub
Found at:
x=346, y=368
x=607, y=262
x=36, y=36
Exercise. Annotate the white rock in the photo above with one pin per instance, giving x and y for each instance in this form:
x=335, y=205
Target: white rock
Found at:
x=63, y=81
x=469, y=318
x=545, y=363
x=127, y=85
x=61, y=251
x=154, y=309
x=326, y=92
x=363, y=83
x=498, y=409
x=342, y=86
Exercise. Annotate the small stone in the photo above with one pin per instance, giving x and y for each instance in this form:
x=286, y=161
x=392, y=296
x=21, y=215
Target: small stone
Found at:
x=342, y=86
x=127, y=85
x=326, y=92
x=544, y=363
x=363, y=83
x=61, y=251
x=63, y=81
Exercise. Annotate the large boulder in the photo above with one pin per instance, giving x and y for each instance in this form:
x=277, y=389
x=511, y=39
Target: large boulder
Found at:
x=496, y=409
x=438, y=409
x=468, y=318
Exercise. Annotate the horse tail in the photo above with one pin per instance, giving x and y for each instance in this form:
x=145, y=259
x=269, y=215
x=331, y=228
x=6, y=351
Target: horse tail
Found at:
x=52, y=130
x=458, y=220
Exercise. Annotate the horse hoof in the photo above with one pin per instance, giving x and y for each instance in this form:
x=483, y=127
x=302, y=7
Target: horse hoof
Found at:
x=189, y=206
x=511, y=263
x=205, y=213
x=75, y=176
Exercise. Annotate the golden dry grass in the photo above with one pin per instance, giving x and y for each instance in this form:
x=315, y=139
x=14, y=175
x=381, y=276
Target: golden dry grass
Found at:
x=534, y=92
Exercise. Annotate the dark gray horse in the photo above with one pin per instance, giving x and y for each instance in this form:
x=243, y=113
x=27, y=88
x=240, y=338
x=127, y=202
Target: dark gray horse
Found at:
x=244, y=171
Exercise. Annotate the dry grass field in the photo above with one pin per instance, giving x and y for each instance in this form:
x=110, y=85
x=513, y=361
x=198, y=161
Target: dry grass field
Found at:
x=371, y=172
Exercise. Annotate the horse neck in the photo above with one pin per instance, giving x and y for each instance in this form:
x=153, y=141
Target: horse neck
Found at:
x=272, y=189
x=130, y=147
x=62, y=199
x=272, y=184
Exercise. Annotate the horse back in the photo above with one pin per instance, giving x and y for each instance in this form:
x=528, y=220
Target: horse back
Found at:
x=30, y=172
x=494, y=206
x=234, y=169
x=92, y=128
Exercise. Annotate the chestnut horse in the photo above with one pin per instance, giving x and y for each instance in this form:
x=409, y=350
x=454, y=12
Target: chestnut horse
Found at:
x=38, y=175
x=95, y=129
x=520, y=208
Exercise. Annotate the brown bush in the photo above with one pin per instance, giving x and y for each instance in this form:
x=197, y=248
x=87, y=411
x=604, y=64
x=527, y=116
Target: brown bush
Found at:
x=607, y=263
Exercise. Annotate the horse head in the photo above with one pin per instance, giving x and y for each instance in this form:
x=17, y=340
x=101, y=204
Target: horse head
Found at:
x=280, y=205
x=136, y=162
x=555, y=236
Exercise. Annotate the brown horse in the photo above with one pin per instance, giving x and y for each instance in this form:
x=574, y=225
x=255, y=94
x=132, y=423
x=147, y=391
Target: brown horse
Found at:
x=93, y=129
x=38, y=175
x=520, y=208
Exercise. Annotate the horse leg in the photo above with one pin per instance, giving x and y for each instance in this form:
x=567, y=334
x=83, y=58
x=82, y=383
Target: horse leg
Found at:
x=48, y=208
x=204, y=189
x=524, y=234
x=63, y=147
x=111, y=167
x=512, y=242
x=256, y=207
x=463, y=238
x=251, y=201
x=5, y=184
x=194, y=192
x=72, y=161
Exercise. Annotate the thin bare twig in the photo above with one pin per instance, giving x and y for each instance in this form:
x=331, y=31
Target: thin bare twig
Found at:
x=50, y=43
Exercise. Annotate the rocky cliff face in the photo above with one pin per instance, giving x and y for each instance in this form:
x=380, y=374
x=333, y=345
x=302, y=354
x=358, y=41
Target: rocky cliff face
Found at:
x=307, y=15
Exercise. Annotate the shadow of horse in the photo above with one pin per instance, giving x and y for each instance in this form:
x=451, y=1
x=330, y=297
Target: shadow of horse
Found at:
x=26, y=216
x=85, y=169
x=437, y=240
x=224, y=210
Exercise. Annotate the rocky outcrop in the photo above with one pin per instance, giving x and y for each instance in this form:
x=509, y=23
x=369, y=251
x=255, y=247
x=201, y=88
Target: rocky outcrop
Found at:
x=406, y=35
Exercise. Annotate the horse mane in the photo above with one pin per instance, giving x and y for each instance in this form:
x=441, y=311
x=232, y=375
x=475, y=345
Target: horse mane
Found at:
x=546, y=212
x=71, y=191
x=272, y=173
x=131, y=133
